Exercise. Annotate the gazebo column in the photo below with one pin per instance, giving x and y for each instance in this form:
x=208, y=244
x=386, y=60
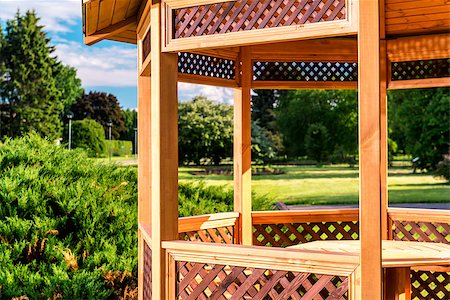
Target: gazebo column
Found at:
x=163, y=151
x=242, y=149
x=369, y=149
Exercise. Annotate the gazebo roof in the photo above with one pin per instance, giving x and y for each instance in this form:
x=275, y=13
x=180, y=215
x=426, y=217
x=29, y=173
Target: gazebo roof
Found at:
x=116, y=19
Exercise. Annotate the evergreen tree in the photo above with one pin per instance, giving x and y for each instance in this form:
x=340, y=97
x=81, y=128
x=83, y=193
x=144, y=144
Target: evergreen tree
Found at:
x=29, y=88
x=100, y=107
x=3, y=108
x=130, y=120
x=263, y=104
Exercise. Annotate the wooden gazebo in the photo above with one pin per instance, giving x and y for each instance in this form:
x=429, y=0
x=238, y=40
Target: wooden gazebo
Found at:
x=369, y=45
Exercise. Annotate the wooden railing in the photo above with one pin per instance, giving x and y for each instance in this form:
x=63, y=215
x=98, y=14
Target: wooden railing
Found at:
x=424, y=225
x=216, y=228
x=287, y=228
x=211, y=271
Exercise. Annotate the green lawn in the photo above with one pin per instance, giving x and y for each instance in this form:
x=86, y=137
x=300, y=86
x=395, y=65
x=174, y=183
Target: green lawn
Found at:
x=308, y=185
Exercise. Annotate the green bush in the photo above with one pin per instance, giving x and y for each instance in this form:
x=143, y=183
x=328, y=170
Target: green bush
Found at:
x=119, y=148
x=66, y=224
x=89, y=135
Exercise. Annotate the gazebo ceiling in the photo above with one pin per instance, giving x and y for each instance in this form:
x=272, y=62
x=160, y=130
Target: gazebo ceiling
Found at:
x=116, y=19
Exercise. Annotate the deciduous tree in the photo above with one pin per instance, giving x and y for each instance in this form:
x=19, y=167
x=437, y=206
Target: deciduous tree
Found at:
x=101, y=107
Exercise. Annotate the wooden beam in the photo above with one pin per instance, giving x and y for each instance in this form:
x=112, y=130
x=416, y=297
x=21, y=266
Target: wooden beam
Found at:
x=419, y=83
x=242, y=149
x=109, y=31
x=163, y=151
x=206, y=80
x=419, y=47
x=295, y=85
x=369, y=149
x=383, y=140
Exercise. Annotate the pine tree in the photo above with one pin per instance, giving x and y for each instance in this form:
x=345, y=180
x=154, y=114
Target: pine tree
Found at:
x=29, y=89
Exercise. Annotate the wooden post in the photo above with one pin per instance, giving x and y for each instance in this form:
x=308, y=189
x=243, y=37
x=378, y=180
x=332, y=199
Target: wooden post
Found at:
x=164, y=151
x=144, y=170
x=398, y=284
x=384, y=140
x=242, y=149
x=370, y=218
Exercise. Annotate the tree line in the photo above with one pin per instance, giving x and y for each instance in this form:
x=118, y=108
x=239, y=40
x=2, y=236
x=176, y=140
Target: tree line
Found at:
x=37, y=91
x=319, y=125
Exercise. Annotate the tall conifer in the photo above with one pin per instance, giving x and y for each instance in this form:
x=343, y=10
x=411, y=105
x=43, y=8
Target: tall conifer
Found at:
x=30, y=88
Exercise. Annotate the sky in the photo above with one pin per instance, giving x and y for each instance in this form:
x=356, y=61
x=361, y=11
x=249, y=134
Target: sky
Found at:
x=106, y=66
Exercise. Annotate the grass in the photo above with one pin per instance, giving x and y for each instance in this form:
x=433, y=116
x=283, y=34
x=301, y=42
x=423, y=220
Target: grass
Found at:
x=335, y=184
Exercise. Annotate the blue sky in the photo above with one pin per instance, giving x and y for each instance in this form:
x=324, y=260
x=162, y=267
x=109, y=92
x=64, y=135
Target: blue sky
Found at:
x=107, y=66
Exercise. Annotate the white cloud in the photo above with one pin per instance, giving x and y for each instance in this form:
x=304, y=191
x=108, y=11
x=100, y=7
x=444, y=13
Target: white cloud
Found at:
x=187, y=91
x=57, y=15
x=112, y=66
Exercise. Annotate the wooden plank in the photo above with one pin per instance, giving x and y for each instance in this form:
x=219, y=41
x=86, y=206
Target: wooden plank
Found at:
x=164, y=151
x=263, y=257
x=302, y=216
x=187, y=224
x=206, y=80
x=419, y=215
x=419, y=47
x=418, y=18
x=106, y=12
x=113, y=30
x=354, y=291
x=416, y=12
x=369, y=149
x=419, y=83
x=242, y=149
x=413, y=4
x=120, y=10
x=434, y=26
x=92, y=13
x=295, y=85
x=259, y=36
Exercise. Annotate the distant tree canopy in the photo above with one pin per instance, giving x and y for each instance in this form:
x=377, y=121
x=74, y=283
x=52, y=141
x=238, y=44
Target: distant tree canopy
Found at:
x=101, y=107
x=205, y=131
x=420, y=123
x=336, y=112
x=130, y=122
x=34, y=85
x=88, y=135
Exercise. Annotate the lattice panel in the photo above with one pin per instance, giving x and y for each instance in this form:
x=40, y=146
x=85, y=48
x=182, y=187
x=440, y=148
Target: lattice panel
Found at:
x=425, y=285
x=146, y=45
x=430, y=285
x=147, y=288
x=204, y=65
x=305, y=71
x=221, y=235
x=241, y=15
x=420, y=69
x=208, y=281
x=421, y=231
x=289, y=234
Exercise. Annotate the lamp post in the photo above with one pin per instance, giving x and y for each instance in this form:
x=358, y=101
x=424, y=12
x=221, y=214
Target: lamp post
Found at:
x=109, y=124
x=69, y=117
x=135, y=141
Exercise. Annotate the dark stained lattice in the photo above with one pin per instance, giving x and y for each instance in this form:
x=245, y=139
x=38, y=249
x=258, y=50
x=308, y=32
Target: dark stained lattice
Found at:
x=289, y=234
x=220, y=235
x=233, y=16
x=305, y=71
x=147, y=288
x=430, y=285
x=146, y=46
x=209, y=281
x=420, y=69
x=425, y=285
x=203, y=65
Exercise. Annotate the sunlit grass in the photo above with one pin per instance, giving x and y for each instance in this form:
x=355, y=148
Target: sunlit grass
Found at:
x=336, y=184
